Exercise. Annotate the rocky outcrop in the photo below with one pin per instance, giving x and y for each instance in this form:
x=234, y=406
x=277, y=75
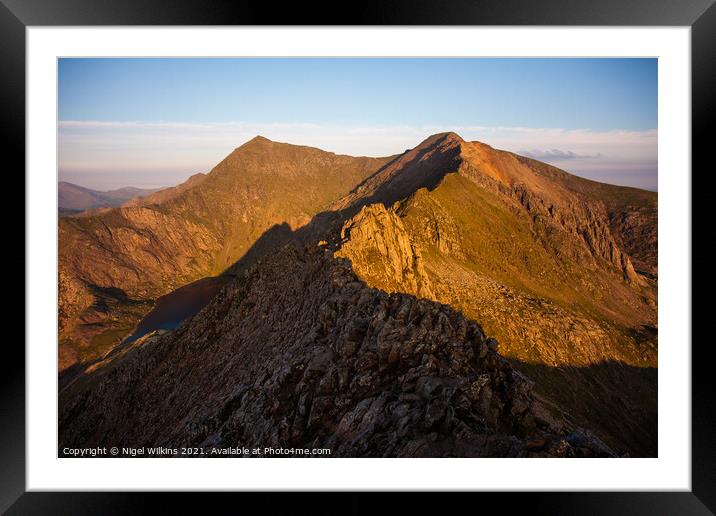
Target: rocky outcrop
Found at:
x=552, y=206
x=379, y=247
x=589, y=223
x=329, y=363
x=635, y=226
x=631, y=213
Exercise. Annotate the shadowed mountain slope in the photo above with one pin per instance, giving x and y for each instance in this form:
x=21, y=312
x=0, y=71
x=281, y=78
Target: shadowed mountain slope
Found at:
x=332, y=364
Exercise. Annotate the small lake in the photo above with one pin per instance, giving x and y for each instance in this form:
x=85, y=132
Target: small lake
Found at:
x=171, y=309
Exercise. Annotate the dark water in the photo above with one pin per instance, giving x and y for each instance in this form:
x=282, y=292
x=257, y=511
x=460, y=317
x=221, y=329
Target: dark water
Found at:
x=178, y=305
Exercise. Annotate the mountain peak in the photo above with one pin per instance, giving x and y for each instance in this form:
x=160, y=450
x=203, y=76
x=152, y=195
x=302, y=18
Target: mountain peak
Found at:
x=259, y=139
x=257, y=143
x=423, y=166
x=449, y=138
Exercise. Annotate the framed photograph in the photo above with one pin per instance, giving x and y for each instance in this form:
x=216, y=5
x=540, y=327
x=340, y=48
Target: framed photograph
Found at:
x=426, y=249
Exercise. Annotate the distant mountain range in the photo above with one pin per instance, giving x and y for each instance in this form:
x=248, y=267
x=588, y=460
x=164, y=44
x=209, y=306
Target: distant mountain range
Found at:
x=73, y=199
x=454, y=300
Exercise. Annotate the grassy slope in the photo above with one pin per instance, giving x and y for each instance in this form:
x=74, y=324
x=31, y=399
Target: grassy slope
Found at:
x=493, y=241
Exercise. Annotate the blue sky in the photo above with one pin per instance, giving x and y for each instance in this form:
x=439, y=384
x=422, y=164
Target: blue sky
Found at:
x=151, y=122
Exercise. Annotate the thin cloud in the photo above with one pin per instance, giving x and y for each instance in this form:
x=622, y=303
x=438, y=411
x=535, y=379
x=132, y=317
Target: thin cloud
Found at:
x=100, y=149
x=556, y=155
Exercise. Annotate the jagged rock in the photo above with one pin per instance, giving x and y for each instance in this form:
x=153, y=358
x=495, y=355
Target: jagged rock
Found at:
x=379, y=247
x=433, y=388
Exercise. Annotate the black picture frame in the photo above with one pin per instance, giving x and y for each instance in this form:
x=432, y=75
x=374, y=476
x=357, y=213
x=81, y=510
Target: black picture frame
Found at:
x=17, y=15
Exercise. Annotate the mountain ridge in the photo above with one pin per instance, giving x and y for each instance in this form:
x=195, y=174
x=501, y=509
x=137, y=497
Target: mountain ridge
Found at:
x=73, y=198
x=164, y=194
x=531, y=254
x=350, y=369
x=147, y=249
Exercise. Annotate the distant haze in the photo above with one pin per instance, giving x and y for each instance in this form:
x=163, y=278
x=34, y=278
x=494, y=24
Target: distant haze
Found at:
x=154, y=122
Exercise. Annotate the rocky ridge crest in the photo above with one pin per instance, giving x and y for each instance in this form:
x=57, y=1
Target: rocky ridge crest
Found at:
x=331, y=363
